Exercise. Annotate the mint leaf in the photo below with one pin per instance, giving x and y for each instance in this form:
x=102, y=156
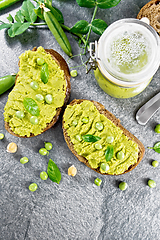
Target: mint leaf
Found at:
x=81, y=26
x=28, y=11
x=44, y=73
x=99, y=26
x=18, y=28
x=53, y=172
x=90, y=138
x=109, y=153
x=31, y=106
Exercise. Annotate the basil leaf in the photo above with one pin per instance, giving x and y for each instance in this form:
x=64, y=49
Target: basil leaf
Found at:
x=86, y=3
x=19, y=17
x=5, y=25
x=81, y=26
x=44, y=73
x=28, y=11
x=31, y=106
x=157, y=147
x=107, y=3
x=18, y=28
x=90, y=138
x=109, y=153
x=53, y=172
x=99, y=26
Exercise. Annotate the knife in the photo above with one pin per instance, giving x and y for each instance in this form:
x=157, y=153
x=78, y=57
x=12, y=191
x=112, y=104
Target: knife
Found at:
x=148, y=109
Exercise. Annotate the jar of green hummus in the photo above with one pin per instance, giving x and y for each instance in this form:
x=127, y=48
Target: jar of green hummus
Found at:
x=126, y=57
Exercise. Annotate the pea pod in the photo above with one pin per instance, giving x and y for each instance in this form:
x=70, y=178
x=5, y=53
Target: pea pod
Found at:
x=7, y=3
x=7, y=82
x=58, y=32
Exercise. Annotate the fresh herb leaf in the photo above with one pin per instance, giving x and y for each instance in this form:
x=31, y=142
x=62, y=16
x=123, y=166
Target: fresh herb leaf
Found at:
x=39, y=12
x=81, y=26
x=19, y=17
x=109, y=153
x=90, y=138
x=31, y=106
x=86, y=3
x=18, y=28
x=5, y=25
x=44, y=73
x=10, y=18
x=53, y=172
x=156, y=147
x=107, y=3
x=99, y=26
x=28, y=11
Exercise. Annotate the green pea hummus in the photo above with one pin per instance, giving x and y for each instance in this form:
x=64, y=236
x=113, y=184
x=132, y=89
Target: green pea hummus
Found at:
x=30, y=71
x=87, y=149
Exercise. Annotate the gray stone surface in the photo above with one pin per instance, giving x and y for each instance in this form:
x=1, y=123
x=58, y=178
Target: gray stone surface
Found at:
x=76, y=208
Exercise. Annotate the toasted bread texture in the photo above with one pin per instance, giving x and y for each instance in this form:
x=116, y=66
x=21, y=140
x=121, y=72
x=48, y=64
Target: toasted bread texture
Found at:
x=152, y=11
x=63, y=66
x=116, y=122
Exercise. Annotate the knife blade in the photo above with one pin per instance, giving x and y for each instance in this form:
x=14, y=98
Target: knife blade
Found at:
x=148, y=110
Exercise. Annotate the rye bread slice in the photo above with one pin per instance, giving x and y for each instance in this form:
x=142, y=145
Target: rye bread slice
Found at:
x=116, y=121
x=152, y=11
x=63, y=65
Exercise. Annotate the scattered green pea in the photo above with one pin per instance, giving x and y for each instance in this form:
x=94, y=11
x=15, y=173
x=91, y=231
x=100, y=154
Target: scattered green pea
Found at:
x=157, y=128
x=151, y=183
x=120, y=155
x=43, y=175
x=104, y=167
x=1, y=136
x=155, y=163
x=123, y=186
x=39, y=97
x=24, y=160
x=48, y=146
x=98, y=146
x=49, y=98
x=99, y=126
x=73, y=73
x=20, y=114
x=34, y=85
x=109, y=139
x=78, y=137
x=34, y=120
x=85, y=120
x=43, y=151
x=74, y=122
x=33, y=187
x=98, y=181
x=40, y=61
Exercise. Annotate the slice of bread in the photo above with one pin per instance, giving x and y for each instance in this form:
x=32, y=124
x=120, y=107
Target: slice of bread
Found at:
x=116, y=122
x=63, y=65
x=152, y=11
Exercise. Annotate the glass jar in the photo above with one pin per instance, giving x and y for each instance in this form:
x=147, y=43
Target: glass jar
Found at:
x=127, y=56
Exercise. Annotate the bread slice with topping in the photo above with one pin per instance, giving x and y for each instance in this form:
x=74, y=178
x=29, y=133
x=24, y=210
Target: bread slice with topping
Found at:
x=152, y=11
x=114, y=147
x=58, y=86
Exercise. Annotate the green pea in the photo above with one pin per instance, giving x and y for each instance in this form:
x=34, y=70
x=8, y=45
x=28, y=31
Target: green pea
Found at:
x=24, y=160
x=49, y=98
x=20, y=114
x=39, y=97
x=151, y=183
x=104, y=167
x=98, y=181
x=99, y=126
x=157, y=128
x=85, y=120
x=1, y=136
x=155, y=163
x=33, y=187
x=34, y=120
x=34, y=85
x=73, y=73
x=74, y=122
x=48, y=146
x=98, y=146
x=120, y=155
x=109, y=139
x=78, y=137
x=40, y=61
x=123, y=186
x=43, y=175
x=43, y=151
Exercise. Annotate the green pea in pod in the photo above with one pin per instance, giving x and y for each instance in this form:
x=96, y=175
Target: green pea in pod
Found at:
x=44, y=73
x=57, y=32
x=31, y=106
x=90, y=138
x=109, y=153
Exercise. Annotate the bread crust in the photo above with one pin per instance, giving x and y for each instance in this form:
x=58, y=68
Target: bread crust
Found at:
x=63, y=65
x=116, y=121
x=151, y=10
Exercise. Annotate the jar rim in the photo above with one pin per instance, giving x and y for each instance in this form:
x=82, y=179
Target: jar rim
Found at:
x=133, y=79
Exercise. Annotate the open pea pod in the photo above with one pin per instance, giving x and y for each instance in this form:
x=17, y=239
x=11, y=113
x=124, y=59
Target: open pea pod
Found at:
x=58, y=32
